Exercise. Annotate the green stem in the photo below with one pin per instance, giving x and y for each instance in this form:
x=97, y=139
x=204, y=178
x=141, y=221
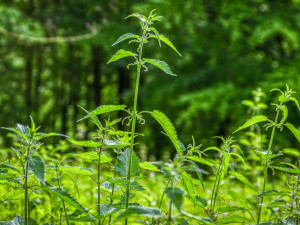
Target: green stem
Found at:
x=26, y=187
x=112, y=194
x=64, y=206
x=267, y=164
x=133, y=124
x=163, y=194
x=171, y=202
x=99, y=206
x=215, y=185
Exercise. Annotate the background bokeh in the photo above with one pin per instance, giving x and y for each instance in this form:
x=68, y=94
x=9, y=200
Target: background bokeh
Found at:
x=229, y=48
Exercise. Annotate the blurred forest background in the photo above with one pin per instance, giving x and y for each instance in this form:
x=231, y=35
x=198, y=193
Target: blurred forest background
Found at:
x=229, y=48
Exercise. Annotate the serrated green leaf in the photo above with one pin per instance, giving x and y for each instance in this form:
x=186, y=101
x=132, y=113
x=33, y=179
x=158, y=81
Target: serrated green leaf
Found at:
x=229, y=209
x=123, y=162
x=225, y=164
x=168, y=127
x=37, y=166
x=76, y=170
x=294, y=130
x=94, y=119
x=284, y=111
x=243, y=179
x=188, y=185
x=139, y=211
x=201, y=200
x=7, y=176
x=288, y=170
x=161, y=65
x=232, y=219
x=176, y=196
x=115, y=144
x=94, y=156
x=238, y=156
x=241, y=199
x=156, y=35
x=86, y=143
x=125, y=37
x=10, y=182
x=199, y=160
x=295, y=101
x=205, y=221
x=272, y=192
x=66, y=197
x=137, y=15
x=18, y=220
x=148, y=166
x=120, y=54
x=103, y=109
x=252, y=121
x=167, y=42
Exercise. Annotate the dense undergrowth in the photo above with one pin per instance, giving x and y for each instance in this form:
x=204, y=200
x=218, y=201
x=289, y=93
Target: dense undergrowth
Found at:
x=102, y=180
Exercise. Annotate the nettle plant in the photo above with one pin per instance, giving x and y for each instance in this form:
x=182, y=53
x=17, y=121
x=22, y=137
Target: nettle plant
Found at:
x=27, y=176
x=268, y=155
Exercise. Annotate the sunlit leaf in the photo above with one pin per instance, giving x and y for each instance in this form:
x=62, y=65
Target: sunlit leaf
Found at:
x=120, y=54
x=161, y=65
x=252, y=121
x=125, y=37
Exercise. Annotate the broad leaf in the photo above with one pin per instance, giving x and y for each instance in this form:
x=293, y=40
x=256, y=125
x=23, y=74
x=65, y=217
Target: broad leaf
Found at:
x=103, y=109
x=294, y=130
x=120, y=54
x=161, y=65
x=115, y=144
x=188, y=185
x=166, y=41
x=123, y=162
x=168, y=127
x=199, y=160
x=241, y=199
x=139, y=211
x=94, y=156
x=86, y=143
x=243, y=179
x=125, y=37
x=66, y=197
x=232, y=219
x=18, y=220
x=76, y=170
x=148, y=166
x=37, y=166
x=94, y=119
x=229, y=209
x=202, y=220
x=252, y=121
x=176, y=196
x=288, y=170
x=272, y=192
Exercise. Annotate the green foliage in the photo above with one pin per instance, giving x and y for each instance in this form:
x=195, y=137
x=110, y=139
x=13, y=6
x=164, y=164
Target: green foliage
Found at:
x=66, y=197
x=123, y=161
x=140, y=211
x=148, y=166
x=168, y=127
x=36, y=165
x=176, y=196
x=252, y=121
x=120, y=54
x=161, y=65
